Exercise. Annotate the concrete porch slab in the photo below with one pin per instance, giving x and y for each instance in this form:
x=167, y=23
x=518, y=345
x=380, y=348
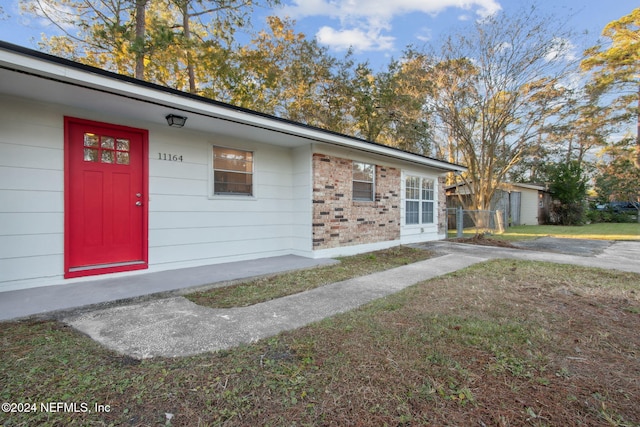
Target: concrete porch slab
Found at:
x=48, y=299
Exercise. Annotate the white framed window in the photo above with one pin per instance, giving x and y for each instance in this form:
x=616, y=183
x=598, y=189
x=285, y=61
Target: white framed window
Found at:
x=419, y=200
x=363, y=181
x=232, y=172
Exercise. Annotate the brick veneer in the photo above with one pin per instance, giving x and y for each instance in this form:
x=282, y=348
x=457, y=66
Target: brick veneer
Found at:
x=338, y=220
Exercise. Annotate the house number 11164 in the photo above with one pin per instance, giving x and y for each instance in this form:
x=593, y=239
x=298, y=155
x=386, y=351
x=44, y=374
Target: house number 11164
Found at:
x=169, y=157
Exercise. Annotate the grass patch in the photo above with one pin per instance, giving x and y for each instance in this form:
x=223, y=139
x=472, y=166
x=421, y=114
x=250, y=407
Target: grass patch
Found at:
x=278, y=286
x=600, y=231
x=500, y=343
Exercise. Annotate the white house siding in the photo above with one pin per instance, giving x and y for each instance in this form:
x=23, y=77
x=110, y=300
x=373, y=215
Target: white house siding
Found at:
x=31, y=193
x=187, y=226
x=190, y=226
x=302, y=206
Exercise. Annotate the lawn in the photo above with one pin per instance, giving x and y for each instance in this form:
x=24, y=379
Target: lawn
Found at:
x=600, y=231
x=501, y=343
x=281, y=285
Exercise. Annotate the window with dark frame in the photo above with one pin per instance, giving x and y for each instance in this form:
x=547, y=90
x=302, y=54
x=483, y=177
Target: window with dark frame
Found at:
x=419, y=200
x=232, y=172
x=363, y=181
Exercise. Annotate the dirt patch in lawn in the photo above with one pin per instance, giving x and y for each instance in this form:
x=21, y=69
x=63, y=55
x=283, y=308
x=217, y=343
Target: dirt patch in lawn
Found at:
x=483, y=240
x=503, y=343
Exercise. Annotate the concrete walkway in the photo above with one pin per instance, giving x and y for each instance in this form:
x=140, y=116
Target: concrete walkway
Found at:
x=48, y=300
x=621, y=255
x=176, y=327
x=173, y=326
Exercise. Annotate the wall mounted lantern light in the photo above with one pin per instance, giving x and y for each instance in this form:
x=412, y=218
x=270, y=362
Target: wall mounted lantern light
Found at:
x=176, y=121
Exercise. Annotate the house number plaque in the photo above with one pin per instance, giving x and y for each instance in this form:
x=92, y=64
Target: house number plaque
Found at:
x=170, y=157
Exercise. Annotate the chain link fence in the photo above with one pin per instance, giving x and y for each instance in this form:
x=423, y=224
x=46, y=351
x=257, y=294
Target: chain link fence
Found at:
x=463, y=221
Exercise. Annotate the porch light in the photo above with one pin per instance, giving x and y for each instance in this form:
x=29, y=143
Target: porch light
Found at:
x=176, y=121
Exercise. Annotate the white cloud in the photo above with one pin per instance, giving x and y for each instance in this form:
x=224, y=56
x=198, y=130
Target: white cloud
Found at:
x=355, y=38
x=424, y=34
x=364, y=21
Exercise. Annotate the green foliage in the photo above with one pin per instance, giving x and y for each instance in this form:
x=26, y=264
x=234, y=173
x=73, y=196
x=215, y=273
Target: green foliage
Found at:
x=569, y=191
x=501, y=112
x=608, y=216
x=617, y=178
x=616, y=69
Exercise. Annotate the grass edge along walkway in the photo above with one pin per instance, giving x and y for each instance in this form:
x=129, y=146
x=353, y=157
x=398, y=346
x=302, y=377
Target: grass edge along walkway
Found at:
x=277, y=286
x=599, y=231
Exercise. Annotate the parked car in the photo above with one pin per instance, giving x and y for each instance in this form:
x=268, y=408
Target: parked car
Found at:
x=618, y=207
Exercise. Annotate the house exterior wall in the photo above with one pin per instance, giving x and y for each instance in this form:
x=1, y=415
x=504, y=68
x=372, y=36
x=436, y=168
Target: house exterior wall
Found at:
x=302, y=206
x=188, y=226
x=31, y=193
x=342, y=226
x=338, y=220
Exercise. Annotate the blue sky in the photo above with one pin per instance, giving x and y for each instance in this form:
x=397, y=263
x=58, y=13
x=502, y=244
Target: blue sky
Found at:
x=380, y=29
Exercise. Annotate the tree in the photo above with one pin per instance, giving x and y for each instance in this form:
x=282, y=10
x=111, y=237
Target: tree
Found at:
x=131, y=36
x=493, y=91
x=617, y=69
x=98, y=32
x=569, y=191
x=617, y=178
x=224, y=16
x=579, y=128
x=387, y=107
x=281, y=72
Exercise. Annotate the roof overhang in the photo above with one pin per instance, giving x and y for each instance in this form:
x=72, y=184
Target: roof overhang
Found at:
x=505, y=186
x=34, y=75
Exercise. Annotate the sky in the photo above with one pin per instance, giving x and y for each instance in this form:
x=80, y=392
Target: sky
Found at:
x=379, y=30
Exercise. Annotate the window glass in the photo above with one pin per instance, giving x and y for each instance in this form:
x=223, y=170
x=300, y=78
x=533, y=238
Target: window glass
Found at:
x=427, y=189
x=419, y=200
x=232, y=160
x=363, y=181
x=412, y=187
x=412, y=212
x=106, y=149
x=232, y=171
x=362, y=190
x=427, y=212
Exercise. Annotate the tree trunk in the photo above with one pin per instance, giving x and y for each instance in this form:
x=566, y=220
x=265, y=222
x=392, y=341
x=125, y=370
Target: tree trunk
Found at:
x=187, y=35
x=637, y=158
x=141, y=6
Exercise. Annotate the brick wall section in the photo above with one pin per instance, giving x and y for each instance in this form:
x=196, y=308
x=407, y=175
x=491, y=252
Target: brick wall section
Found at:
x=442, y=206
x=338, y=220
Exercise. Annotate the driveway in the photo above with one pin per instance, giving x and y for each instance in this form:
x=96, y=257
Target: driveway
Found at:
x=582, y=247
x=609, y=254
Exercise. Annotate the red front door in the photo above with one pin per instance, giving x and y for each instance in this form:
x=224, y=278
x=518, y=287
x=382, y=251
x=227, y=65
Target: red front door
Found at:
x=105, y=198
